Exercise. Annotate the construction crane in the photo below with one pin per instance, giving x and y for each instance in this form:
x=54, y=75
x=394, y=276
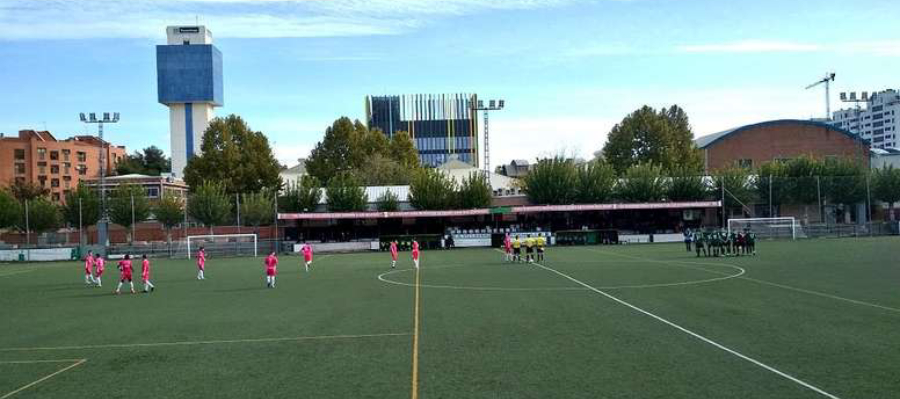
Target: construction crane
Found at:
x=829, y=77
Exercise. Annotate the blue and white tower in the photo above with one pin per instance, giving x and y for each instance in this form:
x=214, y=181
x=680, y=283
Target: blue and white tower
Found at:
x=189, y=82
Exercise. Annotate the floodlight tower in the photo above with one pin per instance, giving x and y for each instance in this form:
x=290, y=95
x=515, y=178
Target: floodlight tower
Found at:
x=102, y=225
x=829, y=77
x=189, y=82
x=493, y=105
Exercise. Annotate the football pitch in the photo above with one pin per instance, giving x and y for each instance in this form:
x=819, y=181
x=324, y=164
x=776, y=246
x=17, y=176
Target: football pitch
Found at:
x=805, y=319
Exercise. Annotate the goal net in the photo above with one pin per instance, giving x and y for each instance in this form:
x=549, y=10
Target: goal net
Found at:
x=775, y=228
x=223, y=244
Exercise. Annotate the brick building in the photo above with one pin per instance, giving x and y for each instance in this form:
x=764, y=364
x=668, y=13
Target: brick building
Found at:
x=753, y=145
x=39, y=158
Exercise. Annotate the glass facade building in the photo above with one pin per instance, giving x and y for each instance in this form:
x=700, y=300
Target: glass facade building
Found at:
x=442, y=126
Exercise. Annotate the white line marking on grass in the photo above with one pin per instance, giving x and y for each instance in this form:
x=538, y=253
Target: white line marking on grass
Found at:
x=45, y=378
x=783, y=286
x=224, y=341
x=693, y=334
x=39, y=361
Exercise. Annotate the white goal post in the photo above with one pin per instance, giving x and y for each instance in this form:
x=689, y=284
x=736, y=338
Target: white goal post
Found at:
x=222, y=242
x=780, y=227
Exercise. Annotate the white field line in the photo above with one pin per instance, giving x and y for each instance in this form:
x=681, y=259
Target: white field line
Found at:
x=214, y=342
x=45, y=378
x=693, y=334
x=40, y=361
x=782, y=286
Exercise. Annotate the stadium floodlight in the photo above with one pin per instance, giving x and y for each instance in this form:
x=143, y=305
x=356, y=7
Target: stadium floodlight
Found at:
x=493, y=105
x=865, y=96
x=103, y=224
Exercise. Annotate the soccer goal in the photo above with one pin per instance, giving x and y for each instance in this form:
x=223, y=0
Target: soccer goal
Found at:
x=223, y=244
x=781, y=227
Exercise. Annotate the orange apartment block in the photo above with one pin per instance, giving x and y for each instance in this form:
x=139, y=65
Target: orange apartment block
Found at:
x=39, y=158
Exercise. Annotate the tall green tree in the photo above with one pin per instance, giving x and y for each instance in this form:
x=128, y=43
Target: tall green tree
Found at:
x=403, y=151
x=552, y=181
x=736, y=186
x=660, y=137
x=771, y=185
x=82, y=207
x=10, y=210
x=257, y=209
x=210, y=204
x=337, y=152
x=128, y=205
x=151, y=161
x=844, y=181
x=596, y=182
x=169, y=212
x=643, y=182
x=345, y=194
x=388, y=202
x=236, y=156
x=378, y=170
x=886, y=185
x=803, y=184
x=24, y=191
x=475, y=192
x=432, y=190
x=302, y=195
x=687, y=185
x=42, y=216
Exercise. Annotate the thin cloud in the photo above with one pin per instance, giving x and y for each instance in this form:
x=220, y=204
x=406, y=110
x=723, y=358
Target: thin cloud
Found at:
x=751, y=46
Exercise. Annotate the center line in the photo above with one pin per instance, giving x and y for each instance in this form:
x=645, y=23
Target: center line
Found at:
x=693, y=334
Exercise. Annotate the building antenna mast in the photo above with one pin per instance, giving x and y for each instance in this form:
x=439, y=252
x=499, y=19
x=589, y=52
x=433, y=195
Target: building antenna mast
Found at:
x=829, y=77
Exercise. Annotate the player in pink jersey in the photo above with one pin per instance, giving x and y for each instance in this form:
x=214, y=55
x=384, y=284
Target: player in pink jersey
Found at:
x=271, y=263
x=201, y=263
x=393, y=254
x=145, y=274
x=415, y=253
x=125, y=271
x=89, y=268
x=307, y=255
x=507, y=247
x=98, y=269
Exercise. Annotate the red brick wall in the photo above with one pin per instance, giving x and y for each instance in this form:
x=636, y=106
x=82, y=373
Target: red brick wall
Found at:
x=787, y=140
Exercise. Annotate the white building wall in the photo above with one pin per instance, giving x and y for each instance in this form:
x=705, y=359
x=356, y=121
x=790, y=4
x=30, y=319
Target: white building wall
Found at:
x=177, y=139
x=878, y=121
x=178, y=34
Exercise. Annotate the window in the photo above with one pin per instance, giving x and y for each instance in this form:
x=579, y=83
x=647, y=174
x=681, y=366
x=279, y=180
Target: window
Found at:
x=20, y=180
x=745, y=163
x=67, y=181
x=82, y=157
x=66, y=154
x=54, y=169
x=20, y=168
x=67, y=167
x=153, y=192
x=54, y=155
x=54, y=183
x=20, y=154
x=42, y=180
x=42, y=167
x=82, y=170
x=42, y=153
x=55, y=197
x=186, y=42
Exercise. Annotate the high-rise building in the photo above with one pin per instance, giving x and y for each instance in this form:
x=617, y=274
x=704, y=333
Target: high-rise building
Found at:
x=36, y=157
x=189, y=82
x=878, y=122
x=442, y=126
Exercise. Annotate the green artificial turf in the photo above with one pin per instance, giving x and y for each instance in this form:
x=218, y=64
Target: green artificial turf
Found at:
x=825, y=312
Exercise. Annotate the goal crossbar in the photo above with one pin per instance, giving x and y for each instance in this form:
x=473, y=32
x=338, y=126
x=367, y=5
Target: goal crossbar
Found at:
x=784, y=221
x=223, y=236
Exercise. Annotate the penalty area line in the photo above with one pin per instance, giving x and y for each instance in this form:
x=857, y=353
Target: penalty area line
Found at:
x=77, y=363
x=693, y=334
x=213, y=342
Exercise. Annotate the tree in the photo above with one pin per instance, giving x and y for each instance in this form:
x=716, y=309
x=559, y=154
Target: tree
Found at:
x=771, y=184
x=686, y=185
x=803, y=184
x=378, y=170
x=475, y=192
x=169, y=212
x=152, y=161
x=128, y=204
x=27, y=191
x=552, y=181
x=596, y=182
x=403, y=151
x=42, y=215
x=235, y=156
x=738, y=190
x=643, y=182
x=345, y=194
x=210, y=205
x=844, y=181
x=10, y=210
x=388, y=202
x=302, y=195
x=663, y=138
x=82, y=207
x=336, y=153
x=432, y=190
x=257, y=209
x=886, y=186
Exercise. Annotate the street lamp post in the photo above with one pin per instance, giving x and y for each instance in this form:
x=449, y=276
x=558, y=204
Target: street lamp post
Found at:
x=103, y=224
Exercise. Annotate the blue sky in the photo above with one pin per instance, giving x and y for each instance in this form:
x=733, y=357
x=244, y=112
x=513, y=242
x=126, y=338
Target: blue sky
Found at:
x=568, y=69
